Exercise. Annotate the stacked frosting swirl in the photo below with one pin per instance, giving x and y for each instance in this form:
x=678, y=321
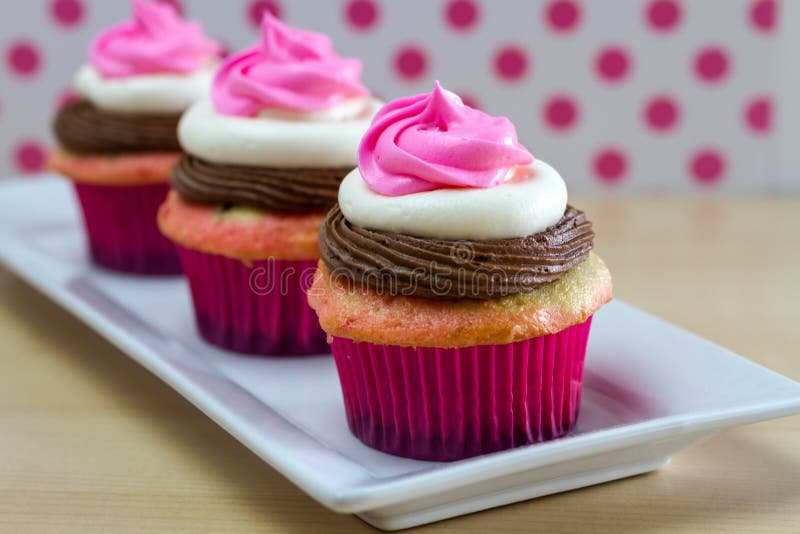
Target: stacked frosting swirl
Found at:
x=431, y=141
x=281, y=128
x=141, y=75
x=155, y=41
x=289, y=69
x=446, y=203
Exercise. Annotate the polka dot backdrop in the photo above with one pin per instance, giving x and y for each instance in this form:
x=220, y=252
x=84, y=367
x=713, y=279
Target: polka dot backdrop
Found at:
x=635, y=94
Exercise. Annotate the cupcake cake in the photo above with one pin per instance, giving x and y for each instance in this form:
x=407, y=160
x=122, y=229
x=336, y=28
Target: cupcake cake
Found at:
x=118, y=141
x=456, y=286
x=264, y=157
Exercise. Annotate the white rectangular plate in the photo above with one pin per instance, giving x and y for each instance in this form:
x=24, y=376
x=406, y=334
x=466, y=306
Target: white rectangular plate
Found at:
x=650, y=389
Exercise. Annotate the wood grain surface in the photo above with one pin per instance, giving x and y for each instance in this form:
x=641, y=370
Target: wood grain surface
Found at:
x=89, y=441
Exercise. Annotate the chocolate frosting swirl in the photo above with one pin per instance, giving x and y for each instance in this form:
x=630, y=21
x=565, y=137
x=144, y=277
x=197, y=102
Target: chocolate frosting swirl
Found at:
x=445, y=269
x=270, y=188
x=84, y=128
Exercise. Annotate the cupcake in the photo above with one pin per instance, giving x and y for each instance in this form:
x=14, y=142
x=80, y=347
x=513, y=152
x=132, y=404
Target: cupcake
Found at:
x=264, y=157
x=118, y=142
x=456, y=286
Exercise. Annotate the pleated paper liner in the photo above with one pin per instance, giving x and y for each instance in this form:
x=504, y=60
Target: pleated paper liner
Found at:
x=258, y=308
x=121, y=228
x=450, y=404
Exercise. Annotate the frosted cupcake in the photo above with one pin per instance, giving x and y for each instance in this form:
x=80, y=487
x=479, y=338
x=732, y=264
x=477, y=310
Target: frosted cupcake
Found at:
x=118, y=141
x=456, y=286
x=264, y=159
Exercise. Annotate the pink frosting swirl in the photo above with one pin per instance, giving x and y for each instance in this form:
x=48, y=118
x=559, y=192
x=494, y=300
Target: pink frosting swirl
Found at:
x=157, y=40
x=432, y=140
x=289, y=69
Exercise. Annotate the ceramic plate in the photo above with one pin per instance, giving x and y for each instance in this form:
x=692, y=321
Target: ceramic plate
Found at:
x=650, y=389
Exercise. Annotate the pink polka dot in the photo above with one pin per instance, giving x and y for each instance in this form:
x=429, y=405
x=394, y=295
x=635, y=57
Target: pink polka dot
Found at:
x=67, y=97
x=23, y=58
x=29, y=156
x=510, y=63
x=362, y=14
x=224, y=48
x=758, y=114
x=711, y=64
x=612, y=64
x=661, y=113
x=663, y=15
x=610, y=165
x=66, y=13
x=763, y=15
x=176, y=4
x=563, y=15
x=561, y=112
x=255, y=11
x=707, y=166
x=461, y=14
x=410, y=62
x=469, y=100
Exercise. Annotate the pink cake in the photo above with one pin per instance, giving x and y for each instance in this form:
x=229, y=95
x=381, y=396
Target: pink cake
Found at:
x=263, y=160
x=456, y=286
x=118, y=142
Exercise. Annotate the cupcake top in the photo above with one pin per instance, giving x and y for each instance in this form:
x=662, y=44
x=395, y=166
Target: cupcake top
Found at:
x=140, y=76
x=287, y=101
x=433, y=141
x=289, y=70
x=446, y=203
x=281, y=127
x=154, y=63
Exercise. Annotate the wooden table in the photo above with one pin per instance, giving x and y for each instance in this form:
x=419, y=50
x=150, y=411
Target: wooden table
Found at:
x=91, y=441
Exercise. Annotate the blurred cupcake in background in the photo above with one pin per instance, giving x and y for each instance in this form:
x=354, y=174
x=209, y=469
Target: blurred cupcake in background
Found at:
x=264, y=157
x=118, y=141
x=457, y=286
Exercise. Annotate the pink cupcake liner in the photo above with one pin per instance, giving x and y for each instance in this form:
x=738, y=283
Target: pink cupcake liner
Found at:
x=121, y=226
x=257, y=309
x=449, y=404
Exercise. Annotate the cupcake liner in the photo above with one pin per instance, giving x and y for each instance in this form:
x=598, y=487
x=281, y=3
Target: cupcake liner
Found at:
x=121, y=227
x=258, y=309
x=449, y=404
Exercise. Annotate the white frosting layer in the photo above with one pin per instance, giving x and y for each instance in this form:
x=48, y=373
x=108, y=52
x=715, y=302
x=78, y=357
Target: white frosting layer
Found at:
x=319, y=139
x=151, y=93
x=532, y=201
